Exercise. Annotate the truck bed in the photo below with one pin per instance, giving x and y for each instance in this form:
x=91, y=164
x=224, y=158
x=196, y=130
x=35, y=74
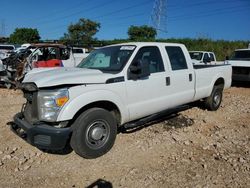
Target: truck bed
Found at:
x=206, y=75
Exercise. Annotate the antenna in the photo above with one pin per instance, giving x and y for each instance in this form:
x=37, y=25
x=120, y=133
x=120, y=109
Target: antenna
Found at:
x=158, y=18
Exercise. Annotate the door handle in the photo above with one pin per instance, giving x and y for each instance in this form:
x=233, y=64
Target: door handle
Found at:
x=190, y=77
x=167, y=81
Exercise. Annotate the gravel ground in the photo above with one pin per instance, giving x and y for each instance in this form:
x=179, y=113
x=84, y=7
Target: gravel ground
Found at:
x=194, y=148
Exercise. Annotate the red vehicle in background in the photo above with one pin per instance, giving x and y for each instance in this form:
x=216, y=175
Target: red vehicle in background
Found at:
x=48, y=55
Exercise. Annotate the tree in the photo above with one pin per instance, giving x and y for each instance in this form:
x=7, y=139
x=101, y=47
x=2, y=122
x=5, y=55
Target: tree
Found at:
x=141, y=32
x=24, y=35
x=82, y=32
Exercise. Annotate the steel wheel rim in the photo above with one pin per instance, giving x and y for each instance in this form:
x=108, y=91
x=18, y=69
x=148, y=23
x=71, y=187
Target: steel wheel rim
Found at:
x=97, y=134
x=217, y=99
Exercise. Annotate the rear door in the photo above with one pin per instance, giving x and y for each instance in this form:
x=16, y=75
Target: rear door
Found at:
x=181, y=77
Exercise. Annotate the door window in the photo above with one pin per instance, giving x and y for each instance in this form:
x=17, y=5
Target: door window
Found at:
x=176, y=57
x=152, y=55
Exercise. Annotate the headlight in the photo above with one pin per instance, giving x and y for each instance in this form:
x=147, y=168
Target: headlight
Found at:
x=50, y=103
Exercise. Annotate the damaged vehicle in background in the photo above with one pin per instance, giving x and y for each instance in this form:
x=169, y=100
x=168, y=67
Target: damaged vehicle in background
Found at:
x=14, y=68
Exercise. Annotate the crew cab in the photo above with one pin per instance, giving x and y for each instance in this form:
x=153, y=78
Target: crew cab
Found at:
x=115, y=86
x=240, y=62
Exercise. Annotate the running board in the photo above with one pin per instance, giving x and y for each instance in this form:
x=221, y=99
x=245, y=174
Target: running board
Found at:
x=153, y=117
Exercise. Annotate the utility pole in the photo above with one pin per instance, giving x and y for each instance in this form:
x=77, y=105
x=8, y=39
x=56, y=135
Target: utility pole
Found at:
x=158, y=18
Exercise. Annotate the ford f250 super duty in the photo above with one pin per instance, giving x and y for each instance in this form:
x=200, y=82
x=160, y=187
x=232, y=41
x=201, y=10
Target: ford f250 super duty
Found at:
x=114, y=86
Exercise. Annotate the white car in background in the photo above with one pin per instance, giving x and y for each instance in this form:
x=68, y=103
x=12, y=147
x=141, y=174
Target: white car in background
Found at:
x=240, y=62
x=5, y=49
x=76, y=56
x=204, y=57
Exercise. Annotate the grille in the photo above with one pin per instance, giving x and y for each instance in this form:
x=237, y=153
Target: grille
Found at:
x=30, y=108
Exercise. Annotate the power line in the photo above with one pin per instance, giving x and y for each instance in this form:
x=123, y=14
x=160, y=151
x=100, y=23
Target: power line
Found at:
x=199, y=14
x=110, y=13
x=209, y=13
x=49, y=14
x=76, y=13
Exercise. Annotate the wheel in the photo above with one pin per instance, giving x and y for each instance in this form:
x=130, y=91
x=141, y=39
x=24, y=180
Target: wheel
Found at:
x=94, y=133
x=213, y=102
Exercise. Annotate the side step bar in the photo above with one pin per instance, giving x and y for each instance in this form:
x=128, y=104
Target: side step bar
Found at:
x=153, y=117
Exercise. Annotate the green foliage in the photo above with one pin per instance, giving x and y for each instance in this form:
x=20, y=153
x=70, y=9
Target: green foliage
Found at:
x=81, y=33
x=24, y=35
x=221, y=48
x=137, y=33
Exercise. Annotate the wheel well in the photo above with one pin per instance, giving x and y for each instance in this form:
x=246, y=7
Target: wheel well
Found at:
x=219, y=81
x=107, y=105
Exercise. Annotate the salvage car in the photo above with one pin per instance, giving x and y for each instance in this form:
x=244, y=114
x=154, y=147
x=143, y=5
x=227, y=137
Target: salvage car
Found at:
x=15, y=67
x=115, y=86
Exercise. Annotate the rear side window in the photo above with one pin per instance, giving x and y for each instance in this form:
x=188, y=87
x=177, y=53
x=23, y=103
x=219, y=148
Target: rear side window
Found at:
x=205, y=58
x=176, y=57
x=212, y=57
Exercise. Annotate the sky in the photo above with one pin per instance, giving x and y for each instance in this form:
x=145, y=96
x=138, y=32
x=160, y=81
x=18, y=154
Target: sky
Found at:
x=214, y=19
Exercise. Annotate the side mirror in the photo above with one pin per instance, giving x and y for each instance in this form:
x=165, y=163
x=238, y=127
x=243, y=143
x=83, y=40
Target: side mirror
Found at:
x=138, y=69
x=227, y=57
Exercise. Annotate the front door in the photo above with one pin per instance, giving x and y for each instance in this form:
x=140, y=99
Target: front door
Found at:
x=146, y=95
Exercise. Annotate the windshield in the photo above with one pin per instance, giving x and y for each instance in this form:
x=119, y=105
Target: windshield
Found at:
x=196, y=55
x=241, y=55
x=109, y=59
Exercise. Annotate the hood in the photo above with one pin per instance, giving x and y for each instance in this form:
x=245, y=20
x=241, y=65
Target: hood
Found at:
x=239, y=63
x=47, y=77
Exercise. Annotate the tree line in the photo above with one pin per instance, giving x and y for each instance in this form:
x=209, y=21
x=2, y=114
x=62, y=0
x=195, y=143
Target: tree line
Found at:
x=82, y=33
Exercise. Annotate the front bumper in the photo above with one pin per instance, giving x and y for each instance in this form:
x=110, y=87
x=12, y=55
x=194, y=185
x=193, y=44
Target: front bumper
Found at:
x=41, y=135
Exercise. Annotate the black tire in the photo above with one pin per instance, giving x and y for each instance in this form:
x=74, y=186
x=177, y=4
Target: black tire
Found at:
x=213, y=102
x=94, y=133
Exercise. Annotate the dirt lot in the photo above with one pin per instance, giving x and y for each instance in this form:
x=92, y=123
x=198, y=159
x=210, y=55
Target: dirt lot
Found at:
x=195, y=148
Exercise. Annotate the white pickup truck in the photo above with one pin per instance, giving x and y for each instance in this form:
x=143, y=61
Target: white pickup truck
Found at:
x=204, y=57
x=114, y=86
x=240, y=62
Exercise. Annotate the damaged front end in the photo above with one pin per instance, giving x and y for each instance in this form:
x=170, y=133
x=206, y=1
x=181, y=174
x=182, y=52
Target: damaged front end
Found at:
x=37, y=121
